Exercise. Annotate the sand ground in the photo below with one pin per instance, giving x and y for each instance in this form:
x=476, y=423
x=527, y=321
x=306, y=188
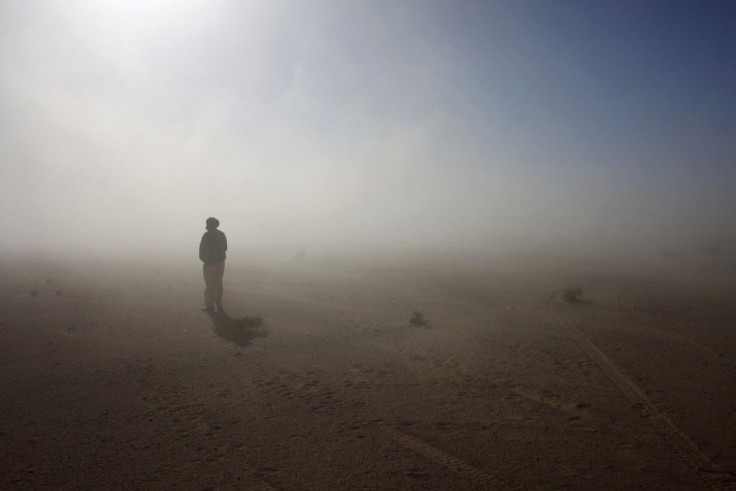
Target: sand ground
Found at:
x=112, y=377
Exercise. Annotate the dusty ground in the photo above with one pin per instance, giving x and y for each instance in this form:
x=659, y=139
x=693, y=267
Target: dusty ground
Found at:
x=112, y=377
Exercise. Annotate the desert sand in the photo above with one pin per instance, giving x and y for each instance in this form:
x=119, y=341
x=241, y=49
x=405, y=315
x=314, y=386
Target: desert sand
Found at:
x=112, y=377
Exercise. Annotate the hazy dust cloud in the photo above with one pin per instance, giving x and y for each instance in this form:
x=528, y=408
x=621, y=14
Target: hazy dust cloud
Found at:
x=315, y=126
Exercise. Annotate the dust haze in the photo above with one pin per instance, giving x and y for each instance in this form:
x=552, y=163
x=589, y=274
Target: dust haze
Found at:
x=467, y=245
x=320, y=126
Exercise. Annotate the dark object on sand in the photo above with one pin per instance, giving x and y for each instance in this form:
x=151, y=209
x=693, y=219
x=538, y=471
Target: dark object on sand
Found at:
x=573, y=294
x=34, y=293
x=249, y=322
x=58, y=292
x=418, y=319
x=238, y=331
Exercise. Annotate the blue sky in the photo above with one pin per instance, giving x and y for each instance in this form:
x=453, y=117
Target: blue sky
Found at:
x=387, y=123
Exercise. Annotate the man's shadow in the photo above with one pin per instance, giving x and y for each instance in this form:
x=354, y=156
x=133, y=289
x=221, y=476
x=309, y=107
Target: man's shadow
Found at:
x=238, y=331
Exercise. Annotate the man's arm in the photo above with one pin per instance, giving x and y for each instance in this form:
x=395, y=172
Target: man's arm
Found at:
x=201, y=249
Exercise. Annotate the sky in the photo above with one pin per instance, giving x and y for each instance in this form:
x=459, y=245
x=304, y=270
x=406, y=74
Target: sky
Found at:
x=379, y=124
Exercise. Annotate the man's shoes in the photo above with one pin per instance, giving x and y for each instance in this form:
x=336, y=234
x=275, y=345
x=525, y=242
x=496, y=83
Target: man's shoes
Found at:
x=220, y=308
x=209, y=309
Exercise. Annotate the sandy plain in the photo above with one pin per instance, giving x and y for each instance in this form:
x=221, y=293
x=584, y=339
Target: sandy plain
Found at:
x=112, y=377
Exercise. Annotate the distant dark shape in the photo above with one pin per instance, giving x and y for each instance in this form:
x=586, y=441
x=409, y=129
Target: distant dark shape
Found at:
x=212, y=249
x=573, y=294
x=301, y=254
x=58, y=292
x=238, y=331
x=34, y=293
x=418, y=319
x=673, y=254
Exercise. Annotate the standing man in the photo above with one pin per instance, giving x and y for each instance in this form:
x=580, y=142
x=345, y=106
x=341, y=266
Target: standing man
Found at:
x=212, y=253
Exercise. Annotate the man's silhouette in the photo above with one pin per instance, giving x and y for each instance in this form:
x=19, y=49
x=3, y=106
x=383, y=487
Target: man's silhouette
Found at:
x=212, y=253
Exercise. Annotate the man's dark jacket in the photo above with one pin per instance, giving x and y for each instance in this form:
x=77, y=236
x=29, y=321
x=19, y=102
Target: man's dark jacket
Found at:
x=212, y=247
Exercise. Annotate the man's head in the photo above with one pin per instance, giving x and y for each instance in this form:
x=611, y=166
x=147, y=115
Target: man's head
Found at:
x=212, y=223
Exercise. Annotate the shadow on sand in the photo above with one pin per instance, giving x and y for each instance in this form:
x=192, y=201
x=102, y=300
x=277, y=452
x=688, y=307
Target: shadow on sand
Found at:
x=238, y=331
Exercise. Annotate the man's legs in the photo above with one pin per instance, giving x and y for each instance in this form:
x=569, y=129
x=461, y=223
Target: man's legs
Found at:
x=213, y=281
x=218, y=273
x=209, y=282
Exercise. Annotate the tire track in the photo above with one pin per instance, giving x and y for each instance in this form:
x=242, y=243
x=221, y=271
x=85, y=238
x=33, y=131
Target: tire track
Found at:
x=417, y=445
x=443, y=458
x=683, y=445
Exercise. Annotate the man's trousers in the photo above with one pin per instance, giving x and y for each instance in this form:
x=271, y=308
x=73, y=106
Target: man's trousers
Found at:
x=213, y=280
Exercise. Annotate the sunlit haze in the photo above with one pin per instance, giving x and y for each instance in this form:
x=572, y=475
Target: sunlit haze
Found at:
x=383, y=124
